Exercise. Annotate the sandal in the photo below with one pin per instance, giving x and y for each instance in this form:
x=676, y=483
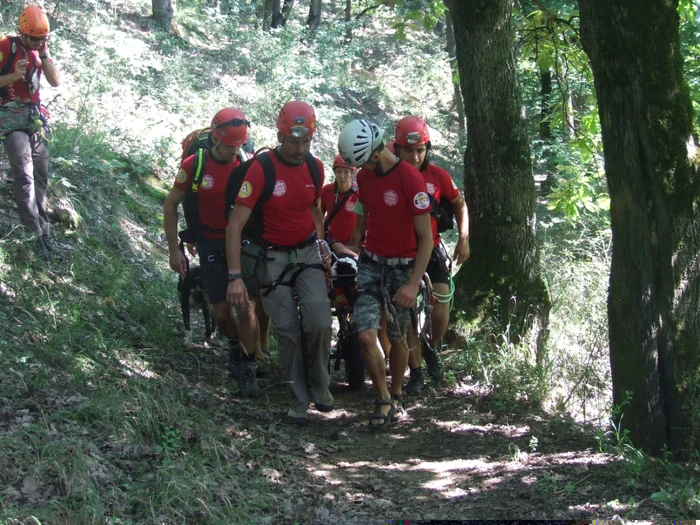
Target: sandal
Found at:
x=385, y=418
x=399, y=408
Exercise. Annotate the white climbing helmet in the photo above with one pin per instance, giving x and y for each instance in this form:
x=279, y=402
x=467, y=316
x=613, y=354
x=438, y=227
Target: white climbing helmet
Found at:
x=358, y=140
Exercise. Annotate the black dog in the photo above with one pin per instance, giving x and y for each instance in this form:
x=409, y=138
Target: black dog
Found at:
x=192, y=295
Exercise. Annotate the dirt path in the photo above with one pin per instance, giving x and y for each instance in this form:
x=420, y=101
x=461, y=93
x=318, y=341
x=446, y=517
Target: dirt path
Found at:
x=452, y=456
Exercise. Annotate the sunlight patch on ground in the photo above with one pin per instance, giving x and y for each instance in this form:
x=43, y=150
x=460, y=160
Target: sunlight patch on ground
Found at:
x=510, y=431
x=134, y=366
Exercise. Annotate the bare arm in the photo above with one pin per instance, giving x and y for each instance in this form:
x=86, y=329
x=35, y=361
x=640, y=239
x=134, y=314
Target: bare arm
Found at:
x=172, y=201
x=405, y=297
x=359, y=230
x=236, y=292
x=462, y=251
x=17, y=74
x=53, y=77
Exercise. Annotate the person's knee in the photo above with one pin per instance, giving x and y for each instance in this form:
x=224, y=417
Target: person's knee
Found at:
x=367, y=338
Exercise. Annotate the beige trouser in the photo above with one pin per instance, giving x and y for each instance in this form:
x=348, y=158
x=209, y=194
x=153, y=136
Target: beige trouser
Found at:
x=304, y=359
x=29, y=161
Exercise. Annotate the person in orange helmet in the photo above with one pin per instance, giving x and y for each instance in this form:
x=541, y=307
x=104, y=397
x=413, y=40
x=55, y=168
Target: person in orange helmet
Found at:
x=229, y=132
x=23, y=120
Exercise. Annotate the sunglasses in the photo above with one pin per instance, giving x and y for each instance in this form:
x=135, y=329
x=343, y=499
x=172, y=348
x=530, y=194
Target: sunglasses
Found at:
x=233, y=122
x=37, y=39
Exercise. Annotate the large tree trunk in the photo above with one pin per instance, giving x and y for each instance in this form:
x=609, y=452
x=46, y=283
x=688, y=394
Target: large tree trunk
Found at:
x=163, y=12
x=314, y=18
x=503, y=272
x=348, y=16
x=651, y=167
x=452, y=54
x=287, y=9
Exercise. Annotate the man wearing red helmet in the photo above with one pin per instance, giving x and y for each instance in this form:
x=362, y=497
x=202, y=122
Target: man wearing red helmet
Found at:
x=23, y=59
x=338, y=201
x=229, y=132
x=285, y=260
x=397, y=247
x=412, y=144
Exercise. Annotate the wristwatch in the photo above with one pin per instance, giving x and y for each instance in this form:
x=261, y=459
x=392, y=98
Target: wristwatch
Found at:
x=234, y=276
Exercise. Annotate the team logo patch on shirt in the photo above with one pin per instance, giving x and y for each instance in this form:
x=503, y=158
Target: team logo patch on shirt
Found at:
x=350, y=206
x=390, y=198
x=181, y=176
x=207, y=182
x=431, y=187
x=280, y=188
x=421, y=200
x=246, y=190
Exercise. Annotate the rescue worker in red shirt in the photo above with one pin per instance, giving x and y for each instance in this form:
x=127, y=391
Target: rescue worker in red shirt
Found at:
x=23, y=59
x=229, y=132
x=397, y=247
x=412, y=144
x=338, y=204
x=285, y=261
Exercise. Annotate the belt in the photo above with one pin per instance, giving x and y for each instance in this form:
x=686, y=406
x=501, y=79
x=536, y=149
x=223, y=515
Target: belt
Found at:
x=388, y=261
x=311, y=239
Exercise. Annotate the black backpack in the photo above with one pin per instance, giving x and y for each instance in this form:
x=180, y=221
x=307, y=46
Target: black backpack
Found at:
x=254, y=226
x=14, y=45
x=190, y=204
x=443, y=213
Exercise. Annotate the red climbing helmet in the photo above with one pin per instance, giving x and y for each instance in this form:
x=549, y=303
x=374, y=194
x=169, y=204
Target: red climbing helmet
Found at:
x=411, y=131
x=297, y=119
x=230, y=127
x=338, y=162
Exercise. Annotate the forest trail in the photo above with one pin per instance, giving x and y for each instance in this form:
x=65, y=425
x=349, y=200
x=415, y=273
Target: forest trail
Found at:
x=456, y=454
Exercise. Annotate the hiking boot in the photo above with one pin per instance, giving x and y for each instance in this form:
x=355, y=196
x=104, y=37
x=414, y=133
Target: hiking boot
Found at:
x=234, y=362
x=322, y=399
x=415, y=382
x=435, y=369
x=247, y=384
x=298, y=418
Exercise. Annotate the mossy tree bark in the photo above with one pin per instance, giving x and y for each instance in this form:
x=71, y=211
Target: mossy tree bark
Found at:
x=651, y=165
x=163, y=12
x=503, y=273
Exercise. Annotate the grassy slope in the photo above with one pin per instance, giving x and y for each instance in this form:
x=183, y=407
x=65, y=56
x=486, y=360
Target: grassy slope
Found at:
x=97, y=419
x=103, y=413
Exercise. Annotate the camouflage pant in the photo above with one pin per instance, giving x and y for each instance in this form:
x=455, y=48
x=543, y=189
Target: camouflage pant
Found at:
x=372, y=277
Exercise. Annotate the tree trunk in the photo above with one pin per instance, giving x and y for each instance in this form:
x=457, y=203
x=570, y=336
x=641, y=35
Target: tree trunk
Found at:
x=266, y=15
x=314, y=18
x=163, y=12
x=452, y=54
x=348, y=17
x=287, y=9
x=651, y=164
x=503, y=272
x=277, y=18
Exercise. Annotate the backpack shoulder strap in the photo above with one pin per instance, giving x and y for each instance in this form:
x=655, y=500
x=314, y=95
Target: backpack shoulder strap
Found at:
x=337, y=207
x=270, y=177
x=313, y=168
x=14, y=42
x=200, y=159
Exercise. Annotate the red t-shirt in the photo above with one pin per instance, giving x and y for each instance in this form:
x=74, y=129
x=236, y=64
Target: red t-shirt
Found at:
x=287, y=218
x=343, y=222
x=438, y=183
x=211, y=201
x=25, y=90
x=390, y=201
